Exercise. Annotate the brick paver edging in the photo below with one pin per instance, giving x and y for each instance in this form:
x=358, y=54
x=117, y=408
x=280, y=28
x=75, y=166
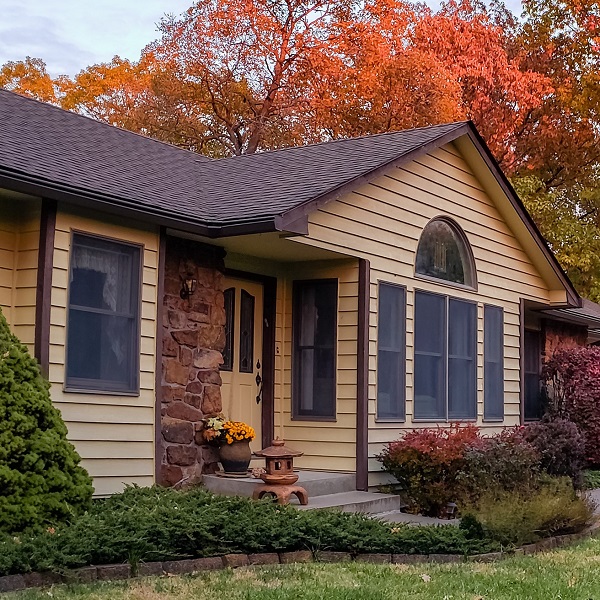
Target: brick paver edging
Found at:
x=12, y=583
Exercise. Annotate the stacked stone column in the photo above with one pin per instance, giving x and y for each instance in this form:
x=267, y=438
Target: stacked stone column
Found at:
x=193, y=339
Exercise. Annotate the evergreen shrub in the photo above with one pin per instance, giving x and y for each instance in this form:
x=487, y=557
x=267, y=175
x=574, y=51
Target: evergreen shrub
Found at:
x=155, y=524
x=41, y=482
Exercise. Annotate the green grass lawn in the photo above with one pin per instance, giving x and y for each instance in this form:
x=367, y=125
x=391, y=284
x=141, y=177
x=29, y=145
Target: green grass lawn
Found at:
x=568, y=574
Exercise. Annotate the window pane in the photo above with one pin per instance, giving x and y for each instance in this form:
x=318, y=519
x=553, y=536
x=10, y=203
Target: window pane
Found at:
x=315, y=328
x=462, y=362
x=493, y=376
x=100, y=348
x=534, y=401
x=229, y=295
x=391, y=352
x=442, y=253
x=430, y=356
x=103, y=331
x=101, y=275
x=246, y=333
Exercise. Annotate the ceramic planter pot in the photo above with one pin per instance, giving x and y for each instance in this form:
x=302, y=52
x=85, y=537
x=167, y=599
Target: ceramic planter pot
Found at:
x=235, y=457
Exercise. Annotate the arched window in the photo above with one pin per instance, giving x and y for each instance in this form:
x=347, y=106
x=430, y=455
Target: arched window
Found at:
x=444, y=253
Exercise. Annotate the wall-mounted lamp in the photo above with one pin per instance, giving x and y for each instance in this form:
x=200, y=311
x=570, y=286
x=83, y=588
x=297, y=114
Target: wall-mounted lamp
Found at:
x=188, y=287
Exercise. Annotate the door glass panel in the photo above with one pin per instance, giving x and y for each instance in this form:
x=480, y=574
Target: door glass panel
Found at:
x=246, y=332
x=229, y=295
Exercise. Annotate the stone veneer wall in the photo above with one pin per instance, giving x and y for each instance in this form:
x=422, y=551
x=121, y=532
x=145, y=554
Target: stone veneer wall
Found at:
x=193, y=338
x=558, y=334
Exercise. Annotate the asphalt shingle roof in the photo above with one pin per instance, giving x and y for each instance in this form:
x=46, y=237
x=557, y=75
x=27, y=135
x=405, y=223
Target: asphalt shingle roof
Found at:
x=60, y=148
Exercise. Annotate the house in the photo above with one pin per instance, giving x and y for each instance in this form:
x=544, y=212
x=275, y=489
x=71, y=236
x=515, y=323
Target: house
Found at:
x=333, y=294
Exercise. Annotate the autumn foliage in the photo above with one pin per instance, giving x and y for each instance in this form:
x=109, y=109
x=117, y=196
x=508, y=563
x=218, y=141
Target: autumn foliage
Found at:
x=573, y=379
x=242, y=76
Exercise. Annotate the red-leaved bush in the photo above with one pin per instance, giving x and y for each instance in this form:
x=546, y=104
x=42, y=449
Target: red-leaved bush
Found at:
x=426, y=463
x=560, y=445
x=572, y=378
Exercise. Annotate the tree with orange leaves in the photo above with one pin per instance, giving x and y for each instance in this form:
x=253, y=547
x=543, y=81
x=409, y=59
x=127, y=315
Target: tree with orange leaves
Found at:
x=496, y=92
x=29, y=78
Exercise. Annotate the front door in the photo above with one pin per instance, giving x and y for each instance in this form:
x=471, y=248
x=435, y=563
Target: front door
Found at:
x=242, y=370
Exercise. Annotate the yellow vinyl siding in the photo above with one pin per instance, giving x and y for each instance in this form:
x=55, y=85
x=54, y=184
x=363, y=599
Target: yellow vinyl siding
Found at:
x=382, y=222
x=327, y=445
x=114, y=434
x=19, y=244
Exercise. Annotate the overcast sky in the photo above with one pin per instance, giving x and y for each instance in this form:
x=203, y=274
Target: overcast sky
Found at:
x=69, y=35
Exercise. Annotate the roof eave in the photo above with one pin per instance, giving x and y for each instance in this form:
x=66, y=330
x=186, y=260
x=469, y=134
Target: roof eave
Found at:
x=35, y=186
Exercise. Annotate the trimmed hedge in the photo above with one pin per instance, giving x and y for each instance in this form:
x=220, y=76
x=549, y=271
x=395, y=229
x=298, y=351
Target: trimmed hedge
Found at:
x=41, y=482
x=157, y=524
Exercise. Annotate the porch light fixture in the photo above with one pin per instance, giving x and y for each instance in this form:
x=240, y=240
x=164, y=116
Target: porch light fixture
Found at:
x=188, y=287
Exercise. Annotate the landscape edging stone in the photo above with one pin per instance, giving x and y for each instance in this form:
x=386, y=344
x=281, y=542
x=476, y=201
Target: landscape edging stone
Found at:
x=13, y=583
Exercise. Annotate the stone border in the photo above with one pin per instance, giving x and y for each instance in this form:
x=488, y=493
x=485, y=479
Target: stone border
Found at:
x=13, y=583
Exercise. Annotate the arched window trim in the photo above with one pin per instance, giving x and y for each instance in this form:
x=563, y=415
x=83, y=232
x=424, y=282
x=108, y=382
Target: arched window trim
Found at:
x=468, y=252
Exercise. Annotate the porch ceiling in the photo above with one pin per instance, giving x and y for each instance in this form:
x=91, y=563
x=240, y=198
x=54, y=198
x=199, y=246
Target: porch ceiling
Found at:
x=271, y=246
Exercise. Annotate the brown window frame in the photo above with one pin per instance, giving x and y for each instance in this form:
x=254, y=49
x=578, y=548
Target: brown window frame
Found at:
x=297, y=414
x=100, y=386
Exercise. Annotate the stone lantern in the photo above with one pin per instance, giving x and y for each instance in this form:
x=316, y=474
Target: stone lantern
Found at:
x=279, y=478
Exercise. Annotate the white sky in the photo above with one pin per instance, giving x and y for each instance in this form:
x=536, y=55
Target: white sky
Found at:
x=69, y=35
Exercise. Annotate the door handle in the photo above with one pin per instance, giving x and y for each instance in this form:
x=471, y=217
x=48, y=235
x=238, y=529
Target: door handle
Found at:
x=258, y=383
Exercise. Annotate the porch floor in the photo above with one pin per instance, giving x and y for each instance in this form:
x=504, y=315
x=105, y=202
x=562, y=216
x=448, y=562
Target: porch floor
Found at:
x=325, y=490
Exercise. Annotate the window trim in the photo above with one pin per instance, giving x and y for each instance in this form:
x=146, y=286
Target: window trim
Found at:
x=82, y=386
x=402, y=419
x=469, y=252
x=446, y=418
x=495, y=419
x=295, y=323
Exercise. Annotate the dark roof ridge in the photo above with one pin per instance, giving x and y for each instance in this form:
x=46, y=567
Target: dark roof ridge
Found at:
x=346, y=139
x=113, y=127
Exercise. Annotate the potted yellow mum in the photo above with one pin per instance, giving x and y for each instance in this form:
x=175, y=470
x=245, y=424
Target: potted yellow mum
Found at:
x=233, y=439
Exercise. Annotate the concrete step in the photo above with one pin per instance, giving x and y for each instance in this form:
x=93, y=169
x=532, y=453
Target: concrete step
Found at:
x=365, y=502
x=316, y=483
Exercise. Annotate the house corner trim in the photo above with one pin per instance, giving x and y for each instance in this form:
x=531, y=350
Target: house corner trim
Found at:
x=43, y=295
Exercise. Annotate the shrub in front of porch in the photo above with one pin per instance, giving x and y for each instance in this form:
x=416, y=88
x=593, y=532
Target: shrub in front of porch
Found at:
x=482, y=474
x=41, y=482
x=523, y=517
x=157, y=524
x=426, y=463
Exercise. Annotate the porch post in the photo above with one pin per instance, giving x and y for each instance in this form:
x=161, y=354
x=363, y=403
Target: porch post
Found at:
x=362, y=376
x=160, y=295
